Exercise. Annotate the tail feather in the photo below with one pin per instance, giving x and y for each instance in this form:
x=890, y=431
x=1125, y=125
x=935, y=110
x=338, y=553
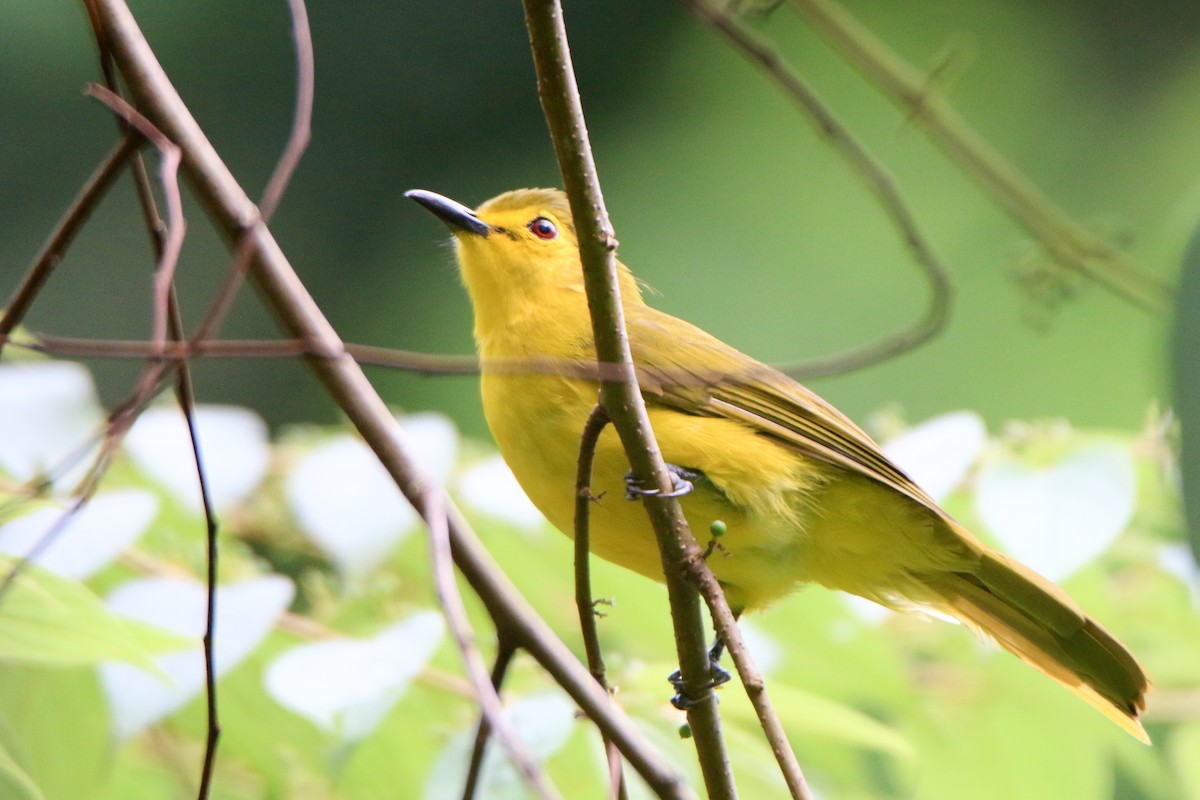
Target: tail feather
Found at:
x=1040, y=624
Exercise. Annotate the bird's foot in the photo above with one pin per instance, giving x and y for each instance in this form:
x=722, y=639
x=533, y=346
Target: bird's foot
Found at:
x=717, y=676
x=681, y=484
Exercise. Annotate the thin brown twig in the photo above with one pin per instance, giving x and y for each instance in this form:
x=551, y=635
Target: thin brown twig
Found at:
x=64, y=232
x=280, y=177
x=297, y=142
x=421, y=363
x=343, y=378
x=486, y=694
x=213, y=725
x=169, y=160
x=876, y=178
x=752, y=681
x=504, y=656
x=622, y=398
x=168, y=249
x=121, y=419
x=1065, y=241
x=585, y=602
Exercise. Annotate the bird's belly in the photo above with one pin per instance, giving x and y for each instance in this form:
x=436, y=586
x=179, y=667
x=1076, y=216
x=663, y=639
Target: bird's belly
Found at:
x=537, y=422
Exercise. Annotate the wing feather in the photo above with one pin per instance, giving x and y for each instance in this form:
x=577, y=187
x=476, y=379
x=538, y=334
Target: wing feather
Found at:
x=707, y=377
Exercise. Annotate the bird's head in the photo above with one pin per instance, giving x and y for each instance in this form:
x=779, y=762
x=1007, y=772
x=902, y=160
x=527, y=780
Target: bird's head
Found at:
x=517, y=251
x=519, y=242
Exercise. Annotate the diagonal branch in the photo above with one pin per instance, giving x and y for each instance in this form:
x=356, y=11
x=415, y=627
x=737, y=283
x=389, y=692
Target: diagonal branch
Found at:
x=752, y=681
x=343, y=378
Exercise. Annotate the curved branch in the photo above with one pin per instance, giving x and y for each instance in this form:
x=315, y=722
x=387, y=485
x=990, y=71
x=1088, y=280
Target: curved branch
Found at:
x=1068, y=243
x=297, y=142
x=876, y=178
x=585, y=604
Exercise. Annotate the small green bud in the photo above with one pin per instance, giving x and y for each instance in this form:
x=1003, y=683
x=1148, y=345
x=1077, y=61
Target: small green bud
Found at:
x=685, y=731
x=717, y=528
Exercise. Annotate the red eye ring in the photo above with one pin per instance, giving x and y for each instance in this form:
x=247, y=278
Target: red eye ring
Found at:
x=543, y=228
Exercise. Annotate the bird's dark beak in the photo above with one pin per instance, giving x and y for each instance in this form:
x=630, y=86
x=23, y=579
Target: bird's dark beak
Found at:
x=457, y=216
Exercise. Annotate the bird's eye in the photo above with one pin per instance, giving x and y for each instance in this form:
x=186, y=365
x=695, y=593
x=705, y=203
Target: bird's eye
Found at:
x=543, y=228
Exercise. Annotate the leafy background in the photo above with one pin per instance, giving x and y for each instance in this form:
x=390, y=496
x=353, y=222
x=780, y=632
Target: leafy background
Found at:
x=730, y=206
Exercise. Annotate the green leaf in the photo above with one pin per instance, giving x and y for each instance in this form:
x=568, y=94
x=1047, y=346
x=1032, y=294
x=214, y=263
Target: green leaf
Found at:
x=49, y=620
x=807, y=715
x=997, y=731
x=1182, y=749
x=54, y=724
x=14, y=782
x=1186, y=379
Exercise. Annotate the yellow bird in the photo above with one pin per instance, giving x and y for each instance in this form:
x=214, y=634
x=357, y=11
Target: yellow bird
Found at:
x=805, y=494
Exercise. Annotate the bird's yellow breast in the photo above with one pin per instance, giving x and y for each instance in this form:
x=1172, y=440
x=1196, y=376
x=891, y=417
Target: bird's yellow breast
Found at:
x=759, y=494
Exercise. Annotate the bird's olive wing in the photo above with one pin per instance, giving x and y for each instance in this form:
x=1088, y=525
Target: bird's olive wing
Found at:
x=684, y=368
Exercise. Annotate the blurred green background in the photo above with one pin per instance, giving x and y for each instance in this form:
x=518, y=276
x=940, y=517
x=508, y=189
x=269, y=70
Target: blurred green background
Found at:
x=727, y=203
x=723, y=197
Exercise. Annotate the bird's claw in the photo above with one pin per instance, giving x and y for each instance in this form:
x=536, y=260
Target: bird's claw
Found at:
x=717, y=676
x=681, y=484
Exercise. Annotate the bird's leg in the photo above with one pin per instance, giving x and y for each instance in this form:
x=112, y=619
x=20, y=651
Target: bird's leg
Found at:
x=717, y=674
x=681, y=483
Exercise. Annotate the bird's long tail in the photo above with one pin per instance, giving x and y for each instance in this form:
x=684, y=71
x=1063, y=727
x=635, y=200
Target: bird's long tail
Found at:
x=1040, y=624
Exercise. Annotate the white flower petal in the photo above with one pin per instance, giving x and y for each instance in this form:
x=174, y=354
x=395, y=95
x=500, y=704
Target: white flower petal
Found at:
x=1177, y=560
x=347, y=686
x=346, y=504
x=233, y=447
x=491, y=487
x=246, y=612
x=433, y=440
x=48, y=411
x=91, y=540
x=1056, y=519
x=543, y=722
x=938, y=453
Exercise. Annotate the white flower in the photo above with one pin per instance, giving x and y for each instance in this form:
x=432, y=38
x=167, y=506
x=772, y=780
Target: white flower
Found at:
x=347, y=686
x=348, y=505
x=246, y=613
x=90, y=540
x=1058, y=518
x=233, y=449
x=48, y=413
x=938, y=453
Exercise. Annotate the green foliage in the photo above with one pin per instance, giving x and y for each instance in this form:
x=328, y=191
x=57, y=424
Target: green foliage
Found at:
x=51, y=621
x=877, y=705
x=715, y=194
x=1185, y=374
x=52, y=717
x=14, y=782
